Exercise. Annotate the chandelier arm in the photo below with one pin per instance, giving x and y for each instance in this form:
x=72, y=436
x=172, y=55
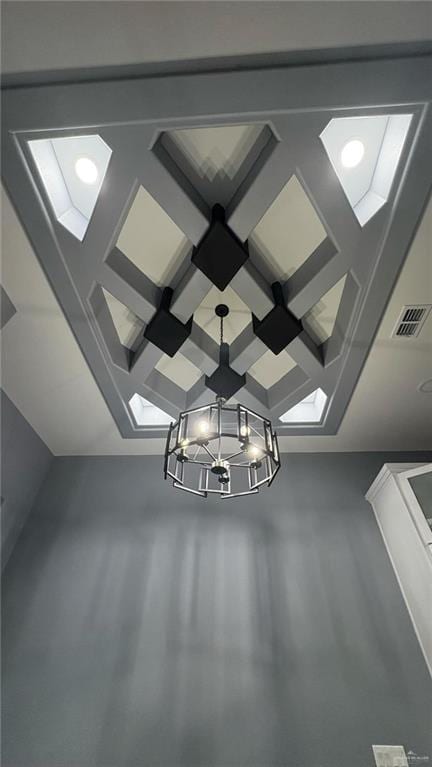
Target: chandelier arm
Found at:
x=213, y=457
x=234, y=455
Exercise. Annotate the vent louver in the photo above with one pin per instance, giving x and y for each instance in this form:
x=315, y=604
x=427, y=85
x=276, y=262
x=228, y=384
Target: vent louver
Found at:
x=411, y=321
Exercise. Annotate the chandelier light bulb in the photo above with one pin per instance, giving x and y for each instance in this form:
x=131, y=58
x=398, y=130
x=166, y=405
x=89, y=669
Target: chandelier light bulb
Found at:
x=352, y=153
x=255, y=456
x=203, y=427
x=245, y=431
x=86, y=170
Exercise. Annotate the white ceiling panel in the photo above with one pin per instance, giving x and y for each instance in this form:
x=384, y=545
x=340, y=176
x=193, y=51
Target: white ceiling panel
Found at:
x=320, y=321
x=239, y=314
x=126, y=323
x=289, y=231
x=179, y=370
x=270, y=368
x=216, y=151
x=151, y=240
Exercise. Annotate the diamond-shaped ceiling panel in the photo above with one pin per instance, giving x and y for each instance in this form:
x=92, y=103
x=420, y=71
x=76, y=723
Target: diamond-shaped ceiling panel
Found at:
x=152, y=241
x=216, y=159
x=179, y=370
x=217, y=151
x=239, y=314
x=128, y=326
x=270, y=368
x=320, y=321
x=289, y=231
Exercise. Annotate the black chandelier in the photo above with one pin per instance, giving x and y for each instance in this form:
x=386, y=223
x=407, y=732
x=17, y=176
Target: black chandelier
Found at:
x=221, y=449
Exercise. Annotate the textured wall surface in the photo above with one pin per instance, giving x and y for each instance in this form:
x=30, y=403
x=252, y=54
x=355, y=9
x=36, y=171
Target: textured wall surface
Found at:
x=146, y=627
x=25, y=461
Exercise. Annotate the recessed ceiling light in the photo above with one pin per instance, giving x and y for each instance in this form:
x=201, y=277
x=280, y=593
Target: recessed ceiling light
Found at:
x=86, y=170
x=352, y=153
x=372, y=145
x=71, y=179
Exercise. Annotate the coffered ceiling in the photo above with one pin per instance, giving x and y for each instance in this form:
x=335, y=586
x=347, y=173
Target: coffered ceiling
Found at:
x=45, y=374
x=321, y=238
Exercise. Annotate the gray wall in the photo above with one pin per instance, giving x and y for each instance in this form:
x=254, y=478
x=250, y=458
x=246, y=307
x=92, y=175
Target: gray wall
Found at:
x=146, y=627
x=25, y=461
x=422, y=486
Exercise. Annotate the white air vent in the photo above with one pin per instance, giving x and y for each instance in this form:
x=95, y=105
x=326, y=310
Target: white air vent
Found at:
x=411, y=321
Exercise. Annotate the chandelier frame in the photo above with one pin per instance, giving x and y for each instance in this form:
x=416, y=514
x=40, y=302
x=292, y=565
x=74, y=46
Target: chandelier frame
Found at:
x=257, y=450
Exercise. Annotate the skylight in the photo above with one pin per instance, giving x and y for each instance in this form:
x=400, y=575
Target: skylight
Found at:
x=309, y=410
x=146, y=414
x=72, y=170
x=365, y=152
